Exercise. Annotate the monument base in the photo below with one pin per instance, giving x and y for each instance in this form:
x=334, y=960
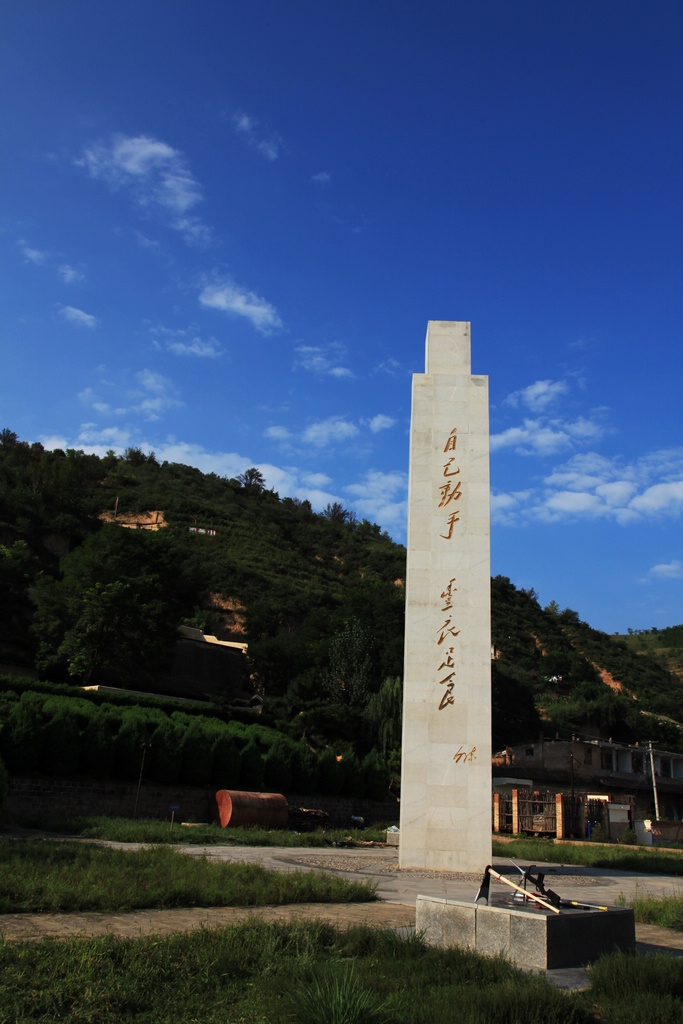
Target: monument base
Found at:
x=534, y=938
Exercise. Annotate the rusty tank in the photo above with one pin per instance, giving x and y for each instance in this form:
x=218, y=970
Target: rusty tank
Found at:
x=232, y=807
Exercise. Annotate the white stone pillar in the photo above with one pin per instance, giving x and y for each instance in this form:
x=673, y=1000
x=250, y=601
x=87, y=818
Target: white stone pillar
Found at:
x=446, y=767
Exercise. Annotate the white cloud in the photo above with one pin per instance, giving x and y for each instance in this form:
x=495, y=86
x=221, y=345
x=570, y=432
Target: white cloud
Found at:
x=266, y=143
x=277, y=433
x=36, y=256
x=538, y=396
x=660, y=499
x=78, y=317
x=150, y=397
x=668, y=570
x=390, y=366
x=103, y=439
x=381, y=422
x=382, y=497
x=230, y=297
x=321, y=178
x=70, y=275
x=156, y=174
x=330, y=431
x=534, y=437
x=52, y=441
x=323, y=360
x=590, y=486
x=156, y=397
x=316, y=479
x=185, y=342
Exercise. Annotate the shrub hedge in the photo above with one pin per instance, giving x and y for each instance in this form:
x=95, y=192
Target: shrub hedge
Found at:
x=42, y=733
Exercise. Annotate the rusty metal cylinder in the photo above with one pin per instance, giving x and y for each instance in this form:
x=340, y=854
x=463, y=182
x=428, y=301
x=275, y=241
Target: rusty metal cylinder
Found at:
x=234, y=808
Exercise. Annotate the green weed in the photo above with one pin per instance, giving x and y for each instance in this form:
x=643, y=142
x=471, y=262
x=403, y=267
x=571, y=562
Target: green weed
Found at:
x=154, y=830
x=615, y=857
x=69, y=877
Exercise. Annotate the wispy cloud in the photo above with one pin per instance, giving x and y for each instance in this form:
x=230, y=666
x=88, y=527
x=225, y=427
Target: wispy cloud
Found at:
x=544, y=434
x=390, y=366
x=380, y=422
x=35, y=256
x=70, y=275
x=538, y=396
x=668, y=570
x=78, y=317
x=322, y=359
x=329, y=432
x=229, y=297
x=277, y=433
x=382, y=497
x=547, y=437
x=321, y=178
x=156, y=174
x=185, y=342
x=149, y=395
x=591, y=486
x=266, y=143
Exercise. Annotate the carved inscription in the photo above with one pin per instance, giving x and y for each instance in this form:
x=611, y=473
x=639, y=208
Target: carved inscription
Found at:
x=451, y=491
x=446, y=635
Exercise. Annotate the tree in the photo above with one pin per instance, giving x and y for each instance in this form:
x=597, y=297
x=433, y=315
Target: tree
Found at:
x=385, y=711
x=351, y=672
x=252, y=479
x=116, y=607
x=335, y=512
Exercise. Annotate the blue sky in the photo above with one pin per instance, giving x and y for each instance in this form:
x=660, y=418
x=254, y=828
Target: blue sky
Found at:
x=225, y=226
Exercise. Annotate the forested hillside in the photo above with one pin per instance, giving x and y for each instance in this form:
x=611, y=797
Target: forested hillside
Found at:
x=319, y=598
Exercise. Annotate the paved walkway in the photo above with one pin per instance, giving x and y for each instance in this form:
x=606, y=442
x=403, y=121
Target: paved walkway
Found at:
x=397, y=889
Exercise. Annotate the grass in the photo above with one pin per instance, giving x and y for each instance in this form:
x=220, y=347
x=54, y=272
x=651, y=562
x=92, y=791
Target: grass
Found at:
x=647, y=989
x=665, y=911
x=64, y=877
x=154, y=830
x=612, y=857
x=255, y=973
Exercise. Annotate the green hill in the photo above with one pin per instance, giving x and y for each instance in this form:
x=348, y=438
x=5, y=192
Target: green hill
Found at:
x=318, y=597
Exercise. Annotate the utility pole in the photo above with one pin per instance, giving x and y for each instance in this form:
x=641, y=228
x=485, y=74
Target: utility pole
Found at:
x=571, y=758
x=654, y=784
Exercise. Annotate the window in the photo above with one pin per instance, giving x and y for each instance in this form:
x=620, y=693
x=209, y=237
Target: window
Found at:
x=529, y=752
x=588, y=755
x=606, y=759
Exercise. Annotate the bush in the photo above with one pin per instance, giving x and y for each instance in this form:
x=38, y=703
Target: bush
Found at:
x=196, y=753
x=278, y=767
x=131, y=739
x=165, y=757
x=253, y=769
x=24, y=736
x=377, y=776
x=354, y=779
x=331, y=773
x=98, y=750
x=4, y=786
x=226, y=762
x=305, y=773
x=61, y=750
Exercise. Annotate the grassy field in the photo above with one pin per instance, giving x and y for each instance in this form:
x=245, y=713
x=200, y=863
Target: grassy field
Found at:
x=270, y=974
x=616, y=858
x=153, y=830
x=313, y=974
x=665, y=911
x=69, y=877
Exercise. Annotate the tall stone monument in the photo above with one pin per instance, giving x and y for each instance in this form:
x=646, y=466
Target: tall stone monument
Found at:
x=446, y=768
